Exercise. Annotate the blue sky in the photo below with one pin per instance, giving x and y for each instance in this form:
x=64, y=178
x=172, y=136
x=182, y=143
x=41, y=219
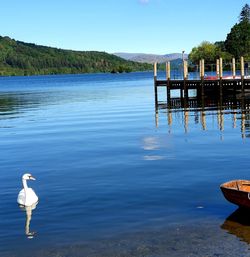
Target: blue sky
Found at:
x=135, y=26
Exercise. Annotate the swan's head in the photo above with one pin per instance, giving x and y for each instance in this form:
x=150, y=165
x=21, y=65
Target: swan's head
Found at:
x=28, y=176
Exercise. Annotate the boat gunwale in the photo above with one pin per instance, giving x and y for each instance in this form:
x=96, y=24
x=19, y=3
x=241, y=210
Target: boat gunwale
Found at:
x=224, y=185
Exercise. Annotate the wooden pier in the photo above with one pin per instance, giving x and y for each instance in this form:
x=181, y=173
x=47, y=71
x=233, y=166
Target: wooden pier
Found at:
x=217, y=85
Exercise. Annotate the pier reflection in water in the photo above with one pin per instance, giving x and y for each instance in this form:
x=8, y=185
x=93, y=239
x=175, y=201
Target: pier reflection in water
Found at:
x=228, y=111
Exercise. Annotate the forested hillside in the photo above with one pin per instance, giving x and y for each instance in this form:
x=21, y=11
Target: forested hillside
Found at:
x=19, y=58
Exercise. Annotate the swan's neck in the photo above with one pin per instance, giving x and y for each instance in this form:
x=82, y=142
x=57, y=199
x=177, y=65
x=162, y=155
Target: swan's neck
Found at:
x=25, y=186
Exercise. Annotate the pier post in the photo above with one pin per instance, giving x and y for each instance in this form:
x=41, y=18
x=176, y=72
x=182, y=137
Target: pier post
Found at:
x=218, y=68
x=155, y=83
x=221, y=75
x=234, y=74
x=242, y=73
x=168, y=70
x=185, y=69
x=202, y=73
x=233, y=67
x=202, y=69
x=221, y=68
x=185, y=73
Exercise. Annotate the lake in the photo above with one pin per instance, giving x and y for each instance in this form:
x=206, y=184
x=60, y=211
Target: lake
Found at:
x=114, y=175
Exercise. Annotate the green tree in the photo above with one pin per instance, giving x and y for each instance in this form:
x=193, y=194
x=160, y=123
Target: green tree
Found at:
x=238, y=40
x=207, y=51
x=221, y=45
x=245, y=13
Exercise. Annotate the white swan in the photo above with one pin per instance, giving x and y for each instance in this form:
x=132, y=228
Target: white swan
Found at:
x=27, y=196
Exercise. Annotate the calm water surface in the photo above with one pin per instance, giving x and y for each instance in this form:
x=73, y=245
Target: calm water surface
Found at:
x=110, y=168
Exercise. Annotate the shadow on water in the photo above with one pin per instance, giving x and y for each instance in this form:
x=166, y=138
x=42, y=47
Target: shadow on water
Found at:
x=12, y=105
x=8, y=104
x=236, y=106
x=238, y=224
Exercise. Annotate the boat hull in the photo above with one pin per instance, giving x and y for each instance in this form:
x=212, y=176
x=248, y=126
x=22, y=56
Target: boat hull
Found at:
x=237, y=192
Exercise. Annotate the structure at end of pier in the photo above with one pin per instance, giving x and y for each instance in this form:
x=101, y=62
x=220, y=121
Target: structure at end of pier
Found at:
x=205, y=85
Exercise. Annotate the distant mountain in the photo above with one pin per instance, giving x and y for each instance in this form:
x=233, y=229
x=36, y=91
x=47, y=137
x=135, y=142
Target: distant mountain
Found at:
x=20, y=58
x=150, y=58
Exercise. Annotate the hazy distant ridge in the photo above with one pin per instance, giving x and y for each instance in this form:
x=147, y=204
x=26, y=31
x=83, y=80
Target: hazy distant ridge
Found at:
x=150, y=58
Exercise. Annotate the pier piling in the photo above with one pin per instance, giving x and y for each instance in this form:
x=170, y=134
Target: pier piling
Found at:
x=155, y=83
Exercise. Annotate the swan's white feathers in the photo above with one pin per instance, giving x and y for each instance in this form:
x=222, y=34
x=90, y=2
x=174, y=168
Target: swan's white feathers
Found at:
x=27, y=196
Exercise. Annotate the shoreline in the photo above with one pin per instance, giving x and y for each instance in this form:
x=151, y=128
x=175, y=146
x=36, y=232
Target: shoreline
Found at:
x=200, y=239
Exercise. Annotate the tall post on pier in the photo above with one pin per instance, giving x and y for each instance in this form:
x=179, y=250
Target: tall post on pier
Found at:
x=202, y=74
x=202, y=69
x=168, y=71
x=221, y=75
x=221, y=68
x=218, y=68
x=155, y=83
x=233, y=68
x=185, y=69
x=242, y=73
x=182, y=88
x=185, y=73
x=168, y=75
x=234, y=74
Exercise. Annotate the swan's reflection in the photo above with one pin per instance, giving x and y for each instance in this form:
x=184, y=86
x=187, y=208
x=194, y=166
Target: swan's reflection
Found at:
x=238, y=224
x=28, y=210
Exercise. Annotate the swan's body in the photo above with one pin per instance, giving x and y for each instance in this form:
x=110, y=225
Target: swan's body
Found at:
x=27, y=196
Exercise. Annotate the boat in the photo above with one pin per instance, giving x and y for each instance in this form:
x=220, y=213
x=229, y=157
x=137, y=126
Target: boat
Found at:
x=237, y=192
x=224, y=77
